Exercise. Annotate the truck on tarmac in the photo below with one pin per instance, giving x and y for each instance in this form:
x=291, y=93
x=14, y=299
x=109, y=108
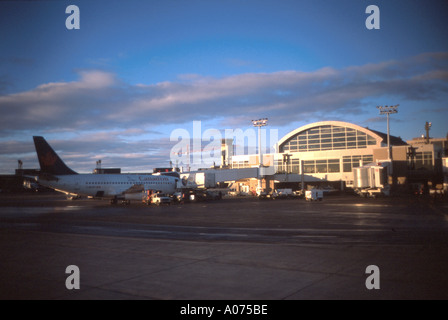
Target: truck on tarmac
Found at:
x=314, y=195
x=283, y=193
x=156, y=198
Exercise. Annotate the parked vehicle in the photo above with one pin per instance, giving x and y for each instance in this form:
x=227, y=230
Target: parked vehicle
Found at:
x=314, y=195
x=161, y=198
x=178, y=197
x=263, y=193
x=283, y=193
x=156, y=198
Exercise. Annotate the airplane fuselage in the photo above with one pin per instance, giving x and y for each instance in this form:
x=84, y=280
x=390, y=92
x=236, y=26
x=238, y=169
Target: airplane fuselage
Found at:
x=110, y=185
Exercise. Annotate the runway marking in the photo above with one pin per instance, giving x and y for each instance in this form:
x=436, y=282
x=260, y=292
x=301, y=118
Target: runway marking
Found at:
x=224, y=234
x=367, y=205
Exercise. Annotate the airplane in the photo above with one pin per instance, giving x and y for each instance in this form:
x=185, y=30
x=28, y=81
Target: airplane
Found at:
x=56, y=175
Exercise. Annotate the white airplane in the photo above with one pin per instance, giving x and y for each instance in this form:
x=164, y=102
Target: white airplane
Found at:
x=56, y=175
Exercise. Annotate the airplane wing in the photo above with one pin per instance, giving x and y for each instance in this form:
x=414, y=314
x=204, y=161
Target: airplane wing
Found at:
x=136, y=188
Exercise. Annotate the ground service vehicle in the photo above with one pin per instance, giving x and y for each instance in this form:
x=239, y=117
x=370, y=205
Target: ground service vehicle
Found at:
x=263, y=193
x=161, y=198
x=314, y=195
x=156, y=198
x=283, y=193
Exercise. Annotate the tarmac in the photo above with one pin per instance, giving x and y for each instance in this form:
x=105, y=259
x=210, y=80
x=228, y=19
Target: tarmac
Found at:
x=232, y=249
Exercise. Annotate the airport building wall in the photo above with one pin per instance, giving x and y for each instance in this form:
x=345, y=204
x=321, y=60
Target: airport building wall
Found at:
x=326, y=152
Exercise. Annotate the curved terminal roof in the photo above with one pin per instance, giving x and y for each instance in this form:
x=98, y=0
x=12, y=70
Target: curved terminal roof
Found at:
x=333, y=135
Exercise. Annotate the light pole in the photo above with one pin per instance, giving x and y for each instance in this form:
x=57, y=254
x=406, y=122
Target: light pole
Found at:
x=428, y=126
x=260, y=123
x=388, y=110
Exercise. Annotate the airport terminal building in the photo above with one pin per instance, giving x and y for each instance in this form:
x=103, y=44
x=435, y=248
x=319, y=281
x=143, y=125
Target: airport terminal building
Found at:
x=329, y=150
x=324, y=153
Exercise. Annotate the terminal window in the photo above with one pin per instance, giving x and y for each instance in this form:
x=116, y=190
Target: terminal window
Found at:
x=293, y=166
x=240, y=164
x=423, y=160
x=321, y=166
x=328, y=137
x=350, y=162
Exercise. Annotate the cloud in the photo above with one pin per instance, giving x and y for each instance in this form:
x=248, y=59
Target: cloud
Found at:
x=99, y=99
x=116, y=149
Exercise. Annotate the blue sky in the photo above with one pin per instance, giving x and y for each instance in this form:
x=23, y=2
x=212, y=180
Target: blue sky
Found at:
x=136, y=70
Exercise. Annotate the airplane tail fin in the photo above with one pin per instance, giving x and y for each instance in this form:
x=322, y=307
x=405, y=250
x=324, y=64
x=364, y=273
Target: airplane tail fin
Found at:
x=49, y=160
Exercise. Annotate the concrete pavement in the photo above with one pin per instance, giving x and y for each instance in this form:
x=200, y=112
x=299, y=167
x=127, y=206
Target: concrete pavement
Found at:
x=291, y=257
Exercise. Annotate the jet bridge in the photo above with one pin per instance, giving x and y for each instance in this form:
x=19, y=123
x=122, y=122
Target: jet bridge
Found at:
x=211, y=177
x=372, y=179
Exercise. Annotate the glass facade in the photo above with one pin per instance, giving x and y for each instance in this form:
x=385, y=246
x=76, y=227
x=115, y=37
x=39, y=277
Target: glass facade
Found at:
x=350, y=162
x=344, y=147
x=292, y=167
x=423, y=160
x=324, y=165
x=240, y=164
x=328, y=137
x=321, y=166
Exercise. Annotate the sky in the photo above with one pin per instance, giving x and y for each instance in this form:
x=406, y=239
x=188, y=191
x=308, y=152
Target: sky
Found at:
x=135, y=71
